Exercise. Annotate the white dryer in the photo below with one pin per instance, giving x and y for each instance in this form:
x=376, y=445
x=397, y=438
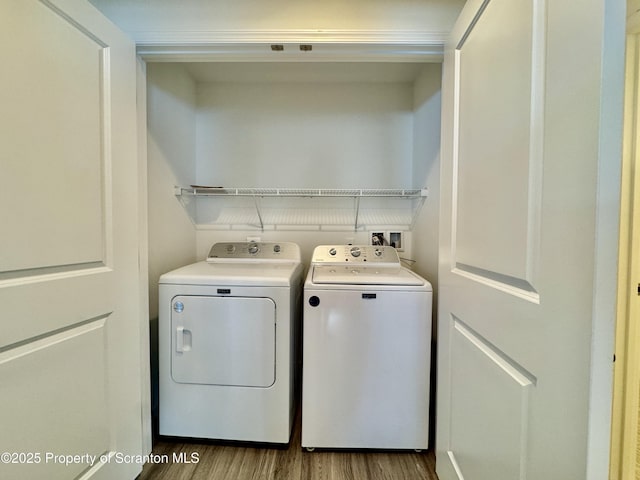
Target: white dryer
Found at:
x=366, y=351
x=227, y=343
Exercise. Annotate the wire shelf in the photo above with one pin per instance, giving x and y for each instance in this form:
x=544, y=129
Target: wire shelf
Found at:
x=197, y=190
x=257, y=207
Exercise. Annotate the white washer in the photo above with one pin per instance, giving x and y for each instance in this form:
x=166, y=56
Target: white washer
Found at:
x=366, y=351
x=227, y=343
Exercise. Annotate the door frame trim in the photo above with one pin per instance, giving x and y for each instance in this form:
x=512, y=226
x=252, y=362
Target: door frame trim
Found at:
x=327, y=45
x=626, y=398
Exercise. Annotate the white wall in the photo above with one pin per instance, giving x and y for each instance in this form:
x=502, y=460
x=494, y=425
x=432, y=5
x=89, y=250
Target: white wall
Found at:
x=305, y=135
x=171, y=115
x=324, y=135
x=426, y=173
x=426, y=169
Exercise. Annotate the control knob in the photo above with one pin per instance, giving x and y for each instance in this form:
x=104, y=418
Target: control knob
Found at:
x=355, y=252
x=253, y=248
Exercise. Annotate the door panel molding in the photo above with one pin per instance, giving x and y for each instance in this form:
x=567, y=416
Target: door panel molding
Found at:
x=33, y=344
x=490, y=395
x=42, y=274
x=72, y=302
x=514, y=286
x=480, y=212
x=63, y=361
x=518, y=373
x=66, y=192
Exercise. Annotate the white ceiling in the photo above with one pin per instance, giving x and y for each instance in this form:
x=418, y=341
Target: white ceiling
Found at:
x=140, y=18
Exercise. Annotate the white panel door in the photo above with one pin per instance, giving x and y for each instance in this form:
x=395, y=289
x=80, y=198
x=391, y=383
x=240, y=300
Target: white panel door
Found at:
x=528, y=229
x=70, y=341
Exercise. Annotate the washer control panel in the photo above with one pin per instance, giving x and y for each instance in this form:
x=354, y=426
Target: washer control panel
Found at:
x=229, y=251
x=345, y=254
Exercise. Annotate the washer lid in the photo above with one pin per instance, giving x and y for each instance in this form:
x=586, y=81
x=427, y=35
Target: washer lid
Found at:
x=361, y=275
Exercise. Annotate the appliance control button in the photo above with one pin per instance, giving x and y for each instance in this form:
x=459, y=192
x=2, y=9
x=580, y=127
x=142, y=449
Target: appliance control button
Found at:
x=314, y=301
x=231, y=248
x=277, y=248
x=332, y=251
x=253, y=248
x=378, y=252
x=355, y=251
x=178, y=307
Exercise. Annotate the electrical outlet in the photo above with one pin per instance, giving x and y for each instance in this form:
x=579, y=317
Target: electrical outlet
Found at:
x=396, y=240
x=376, y=238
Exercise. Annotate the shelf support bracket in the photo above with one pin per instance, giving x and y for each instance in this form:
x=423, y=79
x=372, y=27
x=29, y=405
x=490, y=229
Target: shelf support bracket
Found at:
x=255, y=201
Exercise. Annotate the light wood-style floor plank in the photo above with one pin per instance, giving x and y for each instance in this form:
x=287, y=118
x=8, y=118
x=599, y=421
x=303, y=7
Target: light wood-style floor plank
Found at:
x=240, y=461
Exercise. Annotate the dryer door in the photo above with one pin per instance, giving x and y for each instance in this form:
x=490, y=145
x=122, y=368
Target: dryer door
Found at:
x=223, y=340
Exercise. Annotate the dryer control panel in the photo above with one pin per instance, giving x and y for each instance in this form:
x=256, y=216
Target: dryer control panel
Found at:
x=262, y=251
x=359, y=254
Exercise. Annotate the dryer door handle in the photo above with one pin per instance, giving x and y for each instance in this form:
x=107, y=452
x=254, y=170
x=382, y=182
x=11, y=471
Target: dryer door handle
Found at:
x=183, y=339
x=180, y=339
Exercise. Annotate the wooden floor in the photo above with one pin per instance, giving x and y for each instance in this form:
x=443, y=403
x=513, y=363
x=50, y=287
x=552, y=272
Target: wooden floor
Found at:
x=222, y=461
